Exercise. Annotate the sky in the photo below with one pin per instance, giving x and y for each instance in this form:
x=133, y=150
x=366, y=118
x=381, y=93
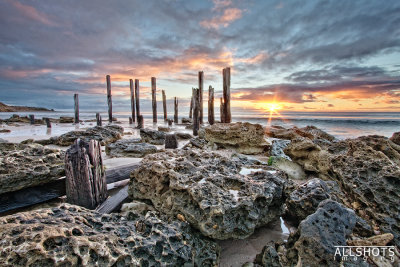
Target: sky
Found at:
x=301, y=55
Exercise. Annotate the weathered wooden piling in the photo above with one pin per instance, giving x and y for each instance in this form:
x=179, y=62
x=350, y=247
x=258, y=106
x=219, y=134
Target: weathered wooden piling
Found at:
x=196, y=112
x=48, y=123
x=153, y=98
x=201, y=83
x=191, y=106
x=170, y=122
x=132, y=90
x=32, y=118
x=109, y=100
x=76, y=102
x=98, y=119
x=140, y=122
x=164, y=102
x=175, y=110
x=211, y=117
x=130, y=120
x=222, y=110
x=86, y=184
x=226, y=77
x=137, y=99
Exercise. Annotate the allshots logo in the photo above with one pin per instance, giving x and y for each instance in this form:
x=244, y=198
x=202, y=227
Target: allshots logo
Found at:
x=356, y=253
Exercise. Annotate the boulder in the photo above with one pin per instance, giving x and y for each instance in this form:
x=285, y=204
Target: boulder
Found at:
x=171, y=141
x=197, y=142
x=66, y=120
x=292, y=169
x=208, y=190
x=27, y=165
x=152, y=136
x=310, y=132
x=164, y=129
x=268, y=257
x=376, y=240
x=277, y=147
x=395, y=138
x=5, y=131
x=181, y=135
x=186, y=120
x=130, y=148
x=73, y=236
x=245, y=137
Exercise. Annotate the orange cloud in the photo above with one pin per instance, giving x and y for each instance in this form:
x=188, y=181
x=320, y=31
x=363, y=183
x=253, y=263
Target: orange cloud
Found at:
x=228, y=16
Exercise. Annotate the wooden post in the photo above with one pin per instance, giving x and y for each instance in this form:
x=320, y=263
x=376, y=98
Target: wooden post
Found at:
x=130, y=120
x=191, y=106
x=140, y=122
x=98, y=119
x=48, y=123
x=170, y=122
x=222, y=111
x=153, y=98
x=164, y=102
x=109, y=100
x=175, y=110
x=226, y=77
x=196, y=112
x=76, y=101
x=137, y=99
x=211, y=105
x=132, y=100
x=86, y=184
x=32, y=118
x=201, y=82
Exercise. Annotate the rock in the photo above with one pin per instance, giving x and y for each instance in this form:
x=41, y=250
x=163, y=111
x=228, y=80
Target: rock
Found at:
x=377, y=240
x=171, y=141
x=268, y=257
x=277, y=147
x=73, y=236
x=25, y=119
x=292, y=169
x=318, y=133
x=197, y=142
x=395, y=138
x=209, y=191
x=186, y=120
x=28, y=165
x=189, y=127
x=130, y=148
x=202, y=133
x=105, y=135
x=137, y=207
x=181, y=135
x=245, y=137
x=310, y=132
x=164, y=129
x=66, y=120
x=320, y=232
x=152, y=136
x=5, y=131
x=3, y=140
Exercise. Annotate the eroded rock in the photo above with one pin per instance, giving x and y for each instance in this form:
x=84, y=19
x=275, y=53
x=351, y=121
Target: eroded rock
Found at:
x=395, y=138
x=171, y=141
x=130, y=148
x=152, y=136
x=209, y=191
x=277, y=148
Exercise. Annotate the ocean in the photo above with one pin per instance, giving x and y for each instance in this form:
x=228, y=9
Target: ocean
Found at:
x=340, y=124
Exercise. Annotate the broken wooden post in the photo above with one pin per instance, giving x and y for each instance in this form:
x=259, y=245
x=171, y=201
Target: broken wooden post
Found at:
x=86, y=184
x=132, y=100
x=137, y=99
x=109, y=100
x=222, y=111
x=48, y=123
x=76, y=102
x=196, y=112
x=130, y=120
x=226, y=77
x=170, y=122
x=153, y=98
x=140, y=122
x=98, y=119
x=191, y=106
x=201, y=82
x=32, y=118
x=164, y=102
x=171, y=141
x=175, y=110
x=211, y=105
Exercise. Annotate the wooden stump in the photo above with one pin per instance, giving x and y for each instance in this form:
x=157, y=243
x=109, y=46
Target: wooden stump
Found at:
x=76, y=102
x=140, y=122
x=170, y=122
x=48, y=123
x=211, y=117
x=32, y=118
x=132, y=89
x=175, y=110
x=98, y=119
x=137, y=99
x=226, y=77
x=164, y=102
x=109, y=100
x=201, y=83
x=130, y=120
x=86, y=184
x=153, y=98
x=196, y=112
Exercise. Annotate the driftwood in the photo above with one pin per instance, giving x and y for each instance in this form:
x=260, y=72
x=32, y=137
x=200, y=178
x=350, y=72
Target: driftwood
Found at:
x=38, y=194
x=196, y=112
x=211, y=117
x=76, y=106
x=201, y=83
x=86, y=184
x=153, y=98
x=109, y=100
x=132, y=90
x=176, y=110
x=140, y=122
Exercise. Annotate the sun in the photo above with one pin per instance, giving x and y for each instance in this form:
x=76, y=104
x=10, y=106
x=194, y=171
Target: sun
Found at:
x=272, y=107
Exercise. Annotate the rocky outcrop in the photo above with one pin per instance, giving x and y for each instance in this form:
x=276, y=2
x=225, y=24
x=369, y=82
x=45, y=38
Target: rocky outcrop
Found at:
x=209, y=192
x=130, y=148
x=152, y=136
x=73, y=236
x=395, y=138
x=181, y=135
x=105, y=135
x=28, y=165
x=245, y=137
x=277, y=147
x=310, y=132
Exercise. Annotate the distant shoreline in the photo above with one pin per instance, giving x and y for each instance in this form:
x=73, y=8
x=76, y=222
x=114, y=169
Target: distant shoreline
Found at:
x=7, y=108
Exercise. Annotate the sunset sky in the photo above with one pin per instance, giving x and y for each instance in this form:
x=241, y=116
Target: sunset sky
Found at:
x=304, y=55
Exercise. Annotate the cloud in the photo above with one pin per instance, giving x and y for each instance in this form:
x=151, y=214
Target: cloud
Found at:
x=31, y=13
x=227, y=17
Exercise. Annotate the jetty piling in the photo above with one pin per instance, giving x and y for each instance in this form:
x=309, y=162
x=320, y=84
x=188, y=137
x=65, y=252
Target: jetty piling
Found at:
x=137, y=99
x=132, y=90
x=98, y=119
x=226, y=78
x=76, y=105
x=109, y=100
x=196, y=112
x=140, y=122
x=211, y=117
x=222, y=110
x=153, y=99
x=191, y=106
x=201, y=83
x=32, y=118
x=48, y=123
x=175, y=110
x=164, y=101
x=130, y=120
x=86, y=184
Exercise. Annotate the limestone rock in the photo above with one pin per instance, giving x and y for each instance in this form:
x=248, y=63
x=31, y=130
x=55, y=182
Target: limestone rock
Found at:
x=164, y=129
x=395, y=138
x=152, y=136
x=268, y=257
x=309, y=132
x=66, y=120
x=245, y=137
x=377, y=240
x=171, y=141
x=209, y=191
x=277, y=147
x=73, y=236
x=186, y=120
x=28, y=165
x=130, y=148
x=292, y=169
x=181, y=135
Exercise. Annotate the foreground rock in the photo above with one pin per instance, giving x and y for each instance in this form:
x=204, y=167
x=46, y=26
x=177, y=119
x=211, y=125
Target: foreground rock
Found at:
x=310, y=132
x=105, y=135
x=130, y=148
x=72, y=236
x=245, y=137
x=396, y=138
x=152, y=136
x=28, y=165
x=207, y=190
